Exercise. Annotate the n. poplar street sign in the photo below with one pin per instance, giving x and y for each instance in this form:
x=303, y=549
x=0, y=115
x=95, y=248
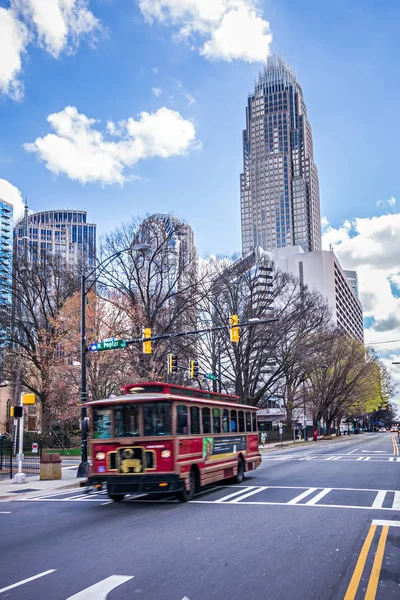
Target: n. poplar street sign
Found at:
x=107, y=345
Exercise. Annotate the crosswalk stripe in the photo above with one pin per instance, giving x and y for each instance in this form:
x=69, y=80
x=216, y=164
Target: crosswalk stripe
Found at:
x=259, y=489
x=318, y=497
x=250, y=487
x=396, y=501
x=301, y=496
x=379, y=499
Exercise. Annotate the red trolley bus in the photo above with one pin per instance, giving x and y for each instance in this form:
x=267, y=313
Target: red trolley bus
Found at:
x=158, y=438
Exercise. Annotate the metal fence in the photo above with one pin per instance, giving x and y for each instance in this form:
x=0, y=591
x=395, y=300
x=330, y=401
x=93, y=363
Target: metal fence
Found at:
x=9, y=459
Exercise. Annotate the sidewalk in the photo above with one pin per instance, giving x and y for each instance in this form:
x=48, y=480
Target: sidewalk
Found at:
x=34, y=487
x=301, y=443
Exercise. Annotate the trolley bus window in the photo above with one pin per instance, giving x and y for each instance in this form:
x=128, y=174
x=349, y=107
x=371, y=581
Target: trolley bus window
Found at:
x=216, y=420
x=234, y=421
x=126, y=421
x=206, y=420
x=225, y=421
x=254, y=416
x=241, y=421
x=248, y=421
x=102, y=423
x=182, y=419
x=194, y=419
x=157, y=418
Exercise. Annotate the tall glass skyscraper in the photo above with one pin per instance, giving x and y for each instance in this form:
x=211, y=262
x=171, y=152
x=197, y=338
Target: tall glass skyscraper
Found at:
x=63, y=232
x=279, y=187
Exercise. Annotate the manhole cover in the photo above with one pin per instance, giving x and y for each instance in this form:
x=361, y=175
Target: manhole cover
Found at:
x=23, y=491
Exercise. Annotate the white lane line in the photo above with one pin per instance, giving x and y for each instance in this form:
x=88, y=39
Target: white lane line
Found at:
x=318, y=497
x=65, y=468
x=355, y=450
x=301, y=496
x=396, y=501
x=260, y=489
x=379, y=499
x=383, y=522
x=5, y=512
x=243, y=490
x=99, y=591
x=361, y=458
x=14, y=585
x=391, y=459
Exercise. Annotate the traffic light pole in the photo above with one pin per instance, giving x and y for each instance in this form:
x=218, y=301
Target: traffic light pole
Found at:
x=84, y=465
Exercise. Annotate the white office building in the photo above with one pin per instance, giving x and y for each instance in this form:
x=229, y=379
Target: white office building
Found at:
x=322, y=272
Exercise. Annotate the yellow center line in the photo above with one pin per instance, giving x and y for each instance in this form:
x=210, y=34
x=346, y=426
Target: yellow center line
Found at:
x=395, y=446
x=376, y=567
x=358, y=571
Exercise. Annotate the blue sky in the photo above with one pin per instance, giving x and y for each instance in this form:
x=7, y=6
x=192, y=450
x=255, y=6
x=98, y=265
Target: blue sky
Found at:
x=172, y=77
x=344, y=53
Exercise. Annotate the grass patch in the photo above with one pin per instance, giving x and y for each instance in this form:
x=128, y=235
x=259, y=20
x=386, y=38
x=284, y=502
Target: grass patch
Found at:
x=63, y=452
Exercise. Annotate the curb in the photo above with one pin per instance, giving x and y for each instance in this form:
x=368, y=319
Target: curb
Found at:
x=47, y=492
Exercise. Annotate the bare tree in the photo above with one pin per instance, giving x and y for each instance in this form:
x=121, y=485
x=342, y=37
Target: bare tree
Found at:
x=39, y=291
x=159, y=287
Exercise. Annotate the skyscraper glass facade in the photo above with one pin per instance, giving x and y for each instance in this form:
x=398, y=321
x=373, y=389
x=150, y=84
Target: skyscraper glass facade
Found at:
x=279, y=187
x=6, y=218
x=63, y=232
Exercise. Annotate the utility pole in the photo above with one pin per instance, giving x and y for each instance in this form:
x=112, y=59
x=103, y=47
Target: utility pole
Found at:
x=20, y=477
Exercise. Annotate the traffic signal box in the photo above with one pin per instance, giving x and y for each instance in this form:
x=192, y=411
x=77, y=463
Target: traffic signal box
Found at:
x=147, y=346
x=193, y=369
x=16, y=411
x=234, y=328
x=172, y=363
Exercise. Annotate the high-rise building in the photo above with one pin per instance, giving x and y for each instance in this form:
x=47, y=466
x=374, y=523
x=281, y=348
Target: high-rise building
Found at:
x=63, y=232
x=176, y=250
x=6, y=216
x=279, y=187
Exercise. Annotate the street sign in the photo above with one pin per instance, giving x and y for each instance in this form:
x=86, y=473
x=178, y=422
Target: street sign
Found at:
x=211, y=376
x=107, y=345
x=35, y=448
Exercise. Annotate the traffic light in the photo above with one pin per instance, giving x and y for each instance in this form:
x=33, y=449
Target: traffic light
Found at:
x=16, y=411
x=172, y=363
x=193, y=369
x=147, y=346
x=234, y=329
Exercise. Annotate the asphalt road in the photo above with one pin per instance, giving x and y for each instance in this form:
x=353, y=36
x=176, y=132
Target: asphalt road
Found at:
x=315, y=522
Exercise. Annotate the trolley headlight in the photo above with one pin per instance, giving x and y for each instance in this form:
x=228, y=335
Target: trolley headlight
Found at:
x=100, y=456
x=165, y=453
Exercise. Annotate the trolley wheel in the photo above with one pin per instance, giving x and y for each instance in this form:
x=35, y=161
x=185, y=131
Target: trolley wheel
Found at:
x=240, y=472
x=187, y=495
x=116, y=497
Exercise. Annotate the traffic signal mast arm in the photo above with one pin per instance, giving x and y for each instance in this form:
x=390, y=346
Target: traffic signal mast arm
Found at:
x=168, y=336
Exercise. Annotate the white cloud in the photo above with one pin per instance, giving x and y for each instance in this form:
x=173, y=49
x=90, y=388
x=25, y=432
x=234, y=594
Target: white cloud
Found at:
x=389, y=202
x=83, y=153
x=233, y=29
x=12, y=194
x=324, y=222
x=371, y=246
x=190, y=99
x=155, y=70
x=55, y=25
x=13, y=41
x=58, y=24
x=157, y=91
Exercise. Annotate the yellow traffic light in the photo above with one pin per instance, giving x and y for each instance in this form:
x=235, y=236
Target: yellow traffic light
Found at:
x=193, y=369
x=234, y=328
x=172, y=363
x=147, y=346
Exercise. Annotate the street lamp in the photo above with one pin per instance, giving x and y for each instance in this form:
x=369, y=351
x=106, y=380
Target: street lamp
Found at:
x=83, y=466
